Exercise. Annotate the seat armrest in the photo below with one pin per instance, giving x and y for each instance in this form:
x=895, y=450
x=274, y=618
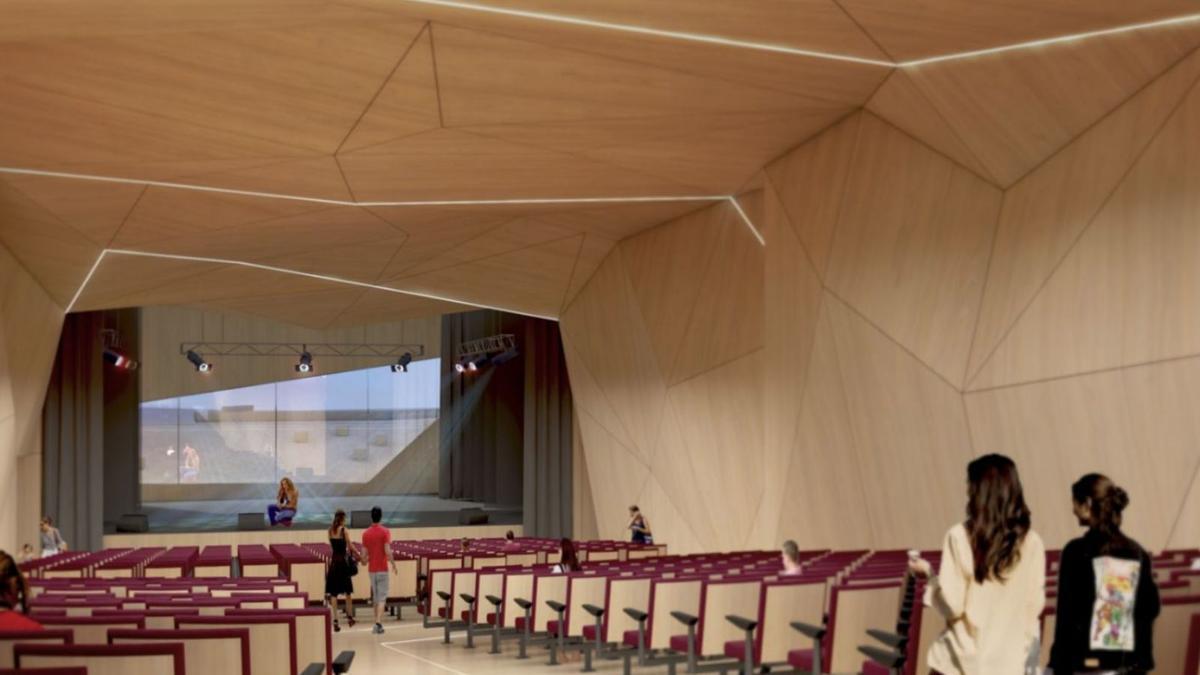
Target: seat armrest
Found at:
x=893, y=640
x=741, y=622
x=685, y=618
x=884, y=657
x=594, y=610
x=467, y=598
x=494, y=600
x=443, y=595
x=637, y=615
x=341, y=664
x=809, y=630
x=523, y=603
x=314, y=669
x=556, y=606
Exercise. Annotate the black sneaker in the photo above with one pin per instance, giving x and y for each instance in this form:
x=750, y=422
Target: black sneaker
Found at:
x=378, y=630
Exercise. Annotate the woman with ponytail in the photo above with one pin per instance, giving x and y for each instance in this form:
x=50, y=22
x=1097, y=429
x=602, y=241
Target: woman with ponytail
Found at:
x=14, y=597
x=1107, y=598
x=991, y=585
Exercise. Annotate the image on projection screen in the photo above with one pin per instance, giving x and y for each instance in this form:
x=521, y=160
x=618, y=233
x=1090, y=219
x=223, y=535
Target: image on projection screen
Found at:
x=337, y=428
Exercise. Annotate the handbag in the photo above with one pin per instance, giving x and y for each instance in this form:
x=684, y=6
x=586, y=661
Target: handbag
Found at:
x=351, y=564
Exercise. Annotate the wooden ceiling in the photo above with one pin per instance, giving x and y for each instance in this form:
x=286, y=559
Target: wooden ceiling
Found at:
x=366, y=101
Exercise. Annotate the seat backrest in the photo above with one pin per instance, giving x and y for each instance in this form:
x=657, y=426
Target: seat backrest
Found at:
x=624, y=593
x=666, y=596
x=214, y=650
x=782, y=603
x=516, y=585
x=515, y=559
x=92, y=630
x=272, y=639
x=314, y=633
x=402, y=582
x=547, y=587
x=853, y=611
x=1171, y=632
x=484, y=561
x=464, y=582
x=60, y=636
x=105, y=659
x=720, y=599
x=584, y=590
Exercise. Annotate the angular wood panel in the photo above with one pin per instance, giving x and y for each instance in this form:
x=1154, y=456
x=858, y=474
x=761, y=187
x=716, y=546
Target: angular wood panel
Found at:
x=1044, y=214
x=913, y=244
x=617, y=474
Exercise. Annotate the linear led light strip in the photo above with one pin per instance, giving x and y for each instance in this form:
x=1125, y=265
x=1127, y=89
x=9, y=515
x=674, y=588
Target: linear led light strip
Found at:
x=796, y=51
x=350, y=282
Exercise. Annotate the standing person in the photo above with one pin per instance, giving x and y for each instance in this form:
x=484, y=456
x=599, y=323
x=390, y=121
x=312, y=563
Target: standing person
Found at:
x=991, y=585
x=287, y=499
x=377, y=541
x=191, y=464
x=791, y=559
x=1107, y=598
x=338, y=582
x=14, y=594
x=639, y=527
x=52, y=541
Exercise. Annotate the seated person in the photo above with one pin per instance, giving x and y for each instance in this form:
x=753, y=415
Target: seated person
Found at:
x=286, y=500
x=13, y=598
x=791, y=559
x=510, y=542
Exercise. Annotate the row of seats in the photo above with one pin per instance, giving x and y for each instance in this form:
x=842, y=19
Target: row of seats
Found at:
x=849, y=611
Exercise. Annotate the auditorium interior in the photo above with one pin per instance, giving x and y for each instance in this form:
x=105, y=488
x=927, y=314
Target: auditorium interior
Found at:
x=767, y=270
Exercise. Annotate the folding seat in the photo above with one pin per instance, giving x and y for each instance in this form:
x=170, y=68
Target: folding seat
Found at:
x=769, y=636
x=314, y=633
x=105, y=659
x=214, y=561
x=255, y=560
x=853, y=610
x=93, y=630
x=584, y=606
x=301, y=566
x=60, y=636
x=1171, y=632
x=537, y=610
x=156, y=619
x=655, y=625
x=212, y=650
x=272, y=639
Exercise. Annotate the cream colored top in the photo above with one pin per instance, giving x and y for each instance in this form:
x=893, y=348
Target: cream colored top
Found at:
x=993, y=627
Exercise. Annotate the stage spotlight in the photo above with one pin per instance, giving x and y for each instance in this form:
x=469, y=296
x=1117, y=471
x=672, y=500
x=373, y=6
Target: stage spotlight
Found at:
x=505, y=356
x=460, y=366
x=198, y=361
x=401, y=364
x=477, y=362
x=119, y=359
x=305, y=364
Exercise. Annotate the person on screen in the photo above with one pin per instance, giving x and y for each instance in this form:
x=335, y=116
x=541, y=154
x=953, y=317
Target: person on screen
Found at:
x=190, y=471
x=791, y=559
x=991, y=585
x=286, y=501
x=14, y=594
x=338, y=578
x=1107, y=598
x=377, y=541
x=52, y=541
x=639, y=526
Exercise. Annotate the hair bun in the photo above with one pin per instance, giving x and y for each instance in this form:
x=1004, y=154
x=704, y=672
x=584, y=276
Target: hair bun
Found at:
x=1118, y=498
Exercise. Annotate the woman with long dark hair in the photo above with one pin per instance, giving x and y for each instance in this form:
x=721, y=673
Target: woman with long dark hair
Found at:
x=570, y=559
x=1107, y=598
x=991, y=585
x=338, y=582
x=14, y=597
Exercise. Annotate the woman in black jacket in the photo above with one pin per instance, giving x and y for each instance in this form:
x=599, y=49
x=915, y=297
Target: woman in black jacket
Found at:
x=1107, y=598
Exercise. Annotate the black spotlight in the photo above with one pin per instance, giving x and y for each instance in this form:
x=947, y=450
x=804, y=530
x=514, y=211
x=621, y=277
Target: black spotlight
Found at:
x=305, y=364
x=198, y=361
x=505, y=356
x=401, y=364
x=119, y=359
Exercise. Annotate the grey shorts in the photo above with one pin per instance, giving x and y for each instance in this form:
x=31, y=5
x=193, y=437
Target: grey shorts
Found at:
x=379, y=587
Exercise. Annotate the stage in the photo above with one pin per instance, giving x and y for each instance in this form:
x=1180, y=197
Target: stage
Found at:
x=317, y=512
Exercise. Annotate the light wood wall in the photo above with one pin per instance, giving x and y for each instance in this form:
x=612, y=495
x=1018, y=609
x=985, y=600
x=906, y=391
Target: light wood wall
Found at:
x=928, y=292
x=165, y=373
x=29, y=325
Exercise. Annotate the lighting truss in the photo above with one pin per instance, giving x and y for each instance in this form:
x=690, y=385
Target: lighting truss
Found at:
x=489, y=345
x=317, y=349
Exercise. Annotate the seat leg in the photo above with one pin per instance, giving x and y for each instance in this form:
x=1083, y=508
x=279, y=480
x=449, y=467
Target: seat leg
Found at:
x=641, y=643
x=816, y=657
x=446, y=624
x=748, y=661
x=587, y=661
x=525, y=635
x=470, y=626
x=691, y=653
x=496, y=635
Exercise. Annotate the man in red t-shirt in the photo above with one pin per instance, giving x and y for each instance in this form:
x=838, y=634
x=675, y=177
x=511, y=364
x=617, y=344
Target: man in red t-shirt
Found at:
x=377, y=541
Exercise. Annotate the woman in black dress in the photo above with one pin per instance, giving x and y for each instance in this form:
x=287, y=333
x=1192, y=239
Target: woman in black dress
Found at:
x=338, y=583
